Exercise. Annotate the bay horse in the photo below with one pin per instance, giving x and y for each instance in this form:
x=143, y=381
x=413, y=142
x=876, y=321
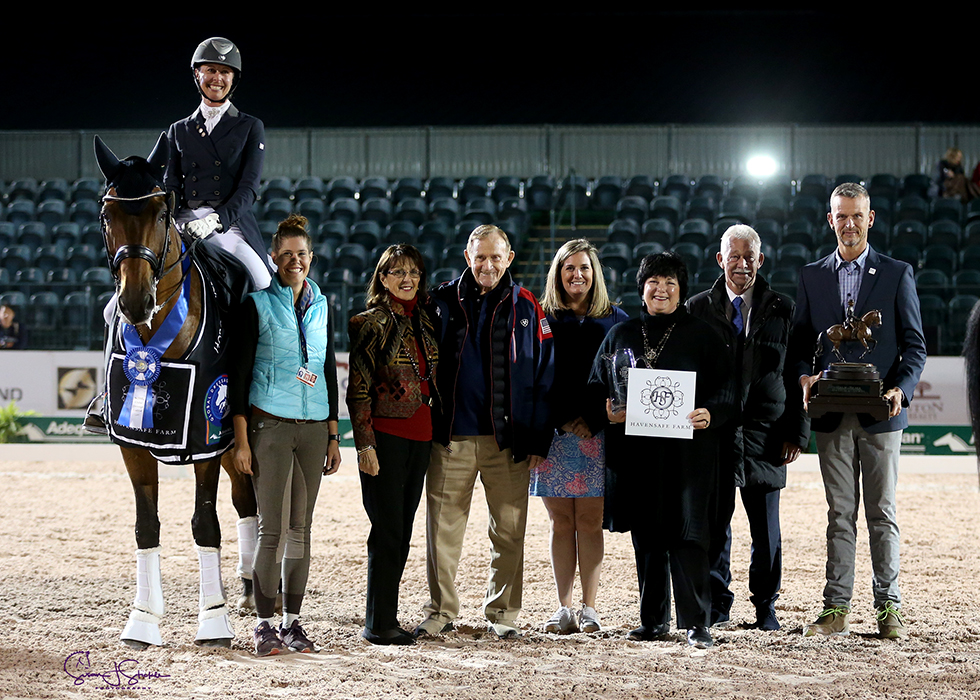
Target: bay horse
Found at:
x=855, y=329
x=163, y=317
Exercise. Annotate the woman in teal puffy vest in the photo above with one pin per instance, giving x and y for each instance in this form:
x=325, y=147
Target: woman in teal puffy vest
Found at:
x=284, y=401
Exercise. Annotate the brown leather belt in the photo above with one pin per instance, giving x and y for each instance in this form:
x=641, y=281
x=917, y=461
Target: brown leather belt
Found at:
x=259, y=412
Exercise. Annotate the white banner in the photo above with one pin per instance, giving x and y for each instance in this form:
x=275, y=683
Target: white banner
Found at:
x=658, y=402
x=63, y=383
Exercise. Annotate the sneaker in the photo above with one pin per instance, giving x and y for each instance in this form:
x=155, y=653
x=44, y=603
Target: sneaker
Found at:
x=832, y=622
x=891, y=624
x=589, y=620
x=562, y=622
x=267, y=642
x=504, y=630
x=294, y=639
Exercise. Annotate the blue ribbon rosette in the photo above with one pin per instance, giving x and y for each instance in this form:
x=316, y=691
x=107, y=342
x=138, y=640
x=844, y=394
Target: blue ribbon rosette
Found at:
x=143, y=362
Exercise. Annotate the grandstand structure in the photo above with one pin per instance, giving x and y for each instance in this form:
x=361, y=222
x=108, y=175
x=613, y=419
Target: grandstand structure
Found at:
x=53, y=265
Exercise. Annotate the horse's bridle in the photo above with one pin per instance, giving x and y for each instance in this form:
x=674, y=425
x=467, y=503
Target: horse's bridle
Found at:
x=138, y=250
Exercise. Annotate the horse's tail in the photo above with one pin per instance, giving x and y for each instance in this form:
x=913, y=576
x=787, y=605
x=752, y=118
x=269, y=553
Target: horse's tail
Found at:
x=971, y=353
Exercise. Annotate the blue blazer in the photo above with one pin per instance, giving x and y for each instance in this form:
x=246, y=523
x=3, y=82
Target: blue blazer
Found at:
x=900, y=353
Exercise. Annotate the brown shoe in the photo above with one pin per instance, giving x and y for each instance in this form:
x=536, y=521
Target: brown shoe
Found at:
x=891, y=624
x=832, y=622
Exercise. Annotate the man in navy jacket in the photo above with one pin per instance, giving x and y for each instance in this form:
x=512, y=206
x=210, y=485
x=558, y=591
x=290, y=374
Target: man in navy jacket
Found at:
x=855, y=450
x=495, y=372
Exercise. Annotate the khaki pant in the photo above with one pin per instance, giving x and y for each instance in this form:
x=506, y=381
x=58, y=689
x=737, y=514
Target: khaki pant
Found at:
x=449, y=491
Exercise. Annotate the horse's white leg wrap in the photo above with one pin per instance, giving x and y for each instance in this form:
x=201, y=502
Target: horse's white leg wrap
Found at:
x=148, y=607
x=213, y=618
x=212, y=592
x=248, y=535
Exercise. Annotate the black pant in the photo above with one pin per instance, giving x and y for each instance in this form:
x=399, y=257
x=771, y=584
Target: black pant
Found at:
x=761, y=505
x=684, y=563
x=391, y=499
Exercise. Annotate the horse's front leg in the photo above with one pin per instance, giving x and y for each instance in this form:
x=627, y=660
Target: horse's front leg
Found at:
x=143, y=626
x=243, y=498
x=214, y=629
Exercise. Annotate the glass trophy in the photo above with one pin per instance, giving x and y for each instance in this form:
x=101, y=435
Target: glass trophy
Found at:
x=618, y=365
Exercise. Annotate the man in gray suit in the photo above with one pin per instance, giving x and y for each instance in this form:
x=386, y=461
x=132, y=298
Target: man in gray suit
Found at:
x=855, y=450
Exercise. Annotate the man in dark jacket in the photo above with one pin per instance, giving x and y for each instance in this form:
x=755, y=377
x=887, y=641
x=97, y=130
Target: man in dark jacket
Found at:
x=495, y=372
x=771, y=428
x=858, y=452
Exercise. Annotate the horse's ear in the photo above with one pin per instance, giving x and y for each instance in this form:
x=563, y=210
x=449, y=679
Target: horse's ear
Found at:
x=108, y=163
x=160, y=155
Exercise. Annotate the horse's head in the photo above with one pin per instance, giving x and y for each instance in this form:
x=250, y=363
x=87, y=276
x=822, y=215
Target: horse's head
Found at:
x=872, y=318
x=136, y=221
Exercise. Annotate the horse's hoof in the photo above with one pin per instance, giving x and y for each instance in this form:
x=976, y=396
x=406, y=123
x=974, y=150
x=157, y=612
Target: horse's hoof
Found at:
x=135, y=644
x=246, y=602
x=221, y=643
x=246, y=605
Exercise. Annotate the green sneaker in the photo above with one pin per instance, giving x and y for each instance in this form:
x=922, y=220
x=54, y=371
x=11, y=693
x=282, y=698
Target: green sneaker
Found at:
x=891, y=624
x=832, y=622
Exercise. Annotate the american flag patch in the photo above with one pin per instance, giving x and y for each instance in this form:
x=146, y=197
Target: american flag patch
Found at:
x=545, y=328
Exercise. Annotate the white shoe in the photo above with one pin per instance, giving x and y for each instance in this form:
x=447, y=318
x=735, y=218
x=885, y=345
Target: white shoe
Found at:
x=589, y=619
x=562, y=622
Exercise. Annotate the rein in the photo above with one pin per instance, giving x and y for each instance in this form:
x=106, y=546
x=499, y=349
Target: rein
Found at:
x=131, y=250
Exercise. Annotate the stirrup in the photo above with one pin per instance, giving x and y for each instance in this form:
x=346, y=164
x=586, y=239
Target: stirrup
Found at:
x=94, y=422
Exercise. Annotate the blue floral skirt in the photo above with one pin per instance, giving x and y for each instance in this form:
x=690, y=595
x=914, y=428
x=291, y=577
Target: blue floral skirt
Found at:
x=574, y=468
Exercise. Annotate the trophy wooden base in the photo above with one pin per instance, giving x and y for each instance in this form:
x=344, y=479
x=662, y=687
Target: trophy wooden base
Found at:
x=849, y=387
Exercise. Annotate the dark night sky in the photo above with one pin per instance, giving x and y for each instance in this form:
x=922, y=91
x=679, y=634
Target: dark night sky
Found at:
x=372, y=70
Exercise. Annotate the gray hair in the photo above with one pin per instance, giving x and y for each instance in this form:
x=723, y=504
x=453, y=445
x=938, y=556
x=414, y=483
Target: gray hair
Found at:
x=742, y=233
x=851, y=190
x=485, y=231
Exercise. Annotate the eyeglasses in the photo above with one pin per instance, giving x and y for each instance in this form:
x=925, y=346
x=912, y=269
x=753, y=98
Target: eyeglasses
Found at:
x=402, y=274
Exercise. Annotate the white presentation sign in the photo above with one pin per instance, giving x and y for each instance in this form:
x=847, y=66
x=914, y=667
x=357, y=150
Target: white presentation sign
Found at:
x=658, y=402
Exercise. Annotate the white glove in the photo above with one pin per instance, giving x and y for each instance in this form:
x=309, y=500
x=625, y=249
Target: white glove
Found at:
x=202, y=228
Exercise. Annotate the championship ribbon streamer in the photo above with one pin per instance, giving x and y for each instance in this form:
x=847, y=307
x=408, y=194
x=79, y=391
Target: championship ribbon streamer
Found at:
x=142, y=363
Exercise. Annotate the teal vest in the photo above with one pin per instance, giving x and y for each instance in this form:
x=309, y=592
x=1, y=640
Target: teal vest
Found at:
x=278, y=355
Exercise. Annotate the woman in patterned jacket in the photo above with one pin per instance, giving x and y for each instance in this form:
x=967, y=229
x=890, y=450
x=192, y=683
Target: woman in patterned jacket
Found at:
x=391, y=396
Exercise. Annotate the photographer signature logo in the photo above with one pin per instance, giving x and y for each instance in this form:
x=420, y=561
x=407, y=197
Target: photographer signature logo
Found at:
x=118, y=674
x=662, y=398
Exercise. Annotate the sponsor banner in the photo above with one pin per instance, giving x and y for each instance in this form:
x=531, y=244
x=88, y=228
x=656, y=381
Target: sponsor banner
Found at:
x=39, y=429
x=63, y=383
x=930, y=440
x=50, y=383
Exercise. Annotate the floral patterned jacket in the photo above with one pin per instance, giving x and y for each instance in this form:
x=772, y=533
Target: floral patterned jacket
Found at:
x=383, y=381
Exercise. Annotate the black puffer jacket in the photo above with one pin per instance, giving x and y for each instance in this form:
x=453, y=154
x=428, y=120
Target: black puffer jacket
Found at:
x=771, y=401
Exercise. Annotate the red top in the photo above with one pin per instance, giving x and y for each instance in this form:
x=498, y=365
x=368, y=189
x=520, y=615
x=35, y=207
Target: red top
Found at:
x=419, y=425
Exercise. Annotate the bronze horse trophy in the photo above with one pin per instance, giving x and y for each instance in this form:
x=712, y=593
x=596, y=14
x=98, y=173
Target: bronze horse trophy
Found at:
x=854, y=328
x=166, y=340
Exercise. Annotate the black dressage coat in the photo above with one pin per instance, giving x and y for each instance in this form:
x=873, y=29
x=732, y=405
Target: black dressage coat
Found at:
x=770, y=402
x=222, y=169
x=665, y=485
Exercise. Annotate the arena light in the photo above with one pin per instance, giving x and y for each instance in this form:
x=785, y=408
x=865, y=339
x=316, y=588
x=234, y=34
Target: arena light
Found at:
x=761, y=166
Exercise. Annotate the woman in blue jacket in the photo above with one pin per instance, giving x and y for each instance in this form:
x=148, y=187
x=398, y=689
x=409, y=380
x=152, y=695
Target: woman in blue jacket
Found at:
x=286, y=379
x=570, y=480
